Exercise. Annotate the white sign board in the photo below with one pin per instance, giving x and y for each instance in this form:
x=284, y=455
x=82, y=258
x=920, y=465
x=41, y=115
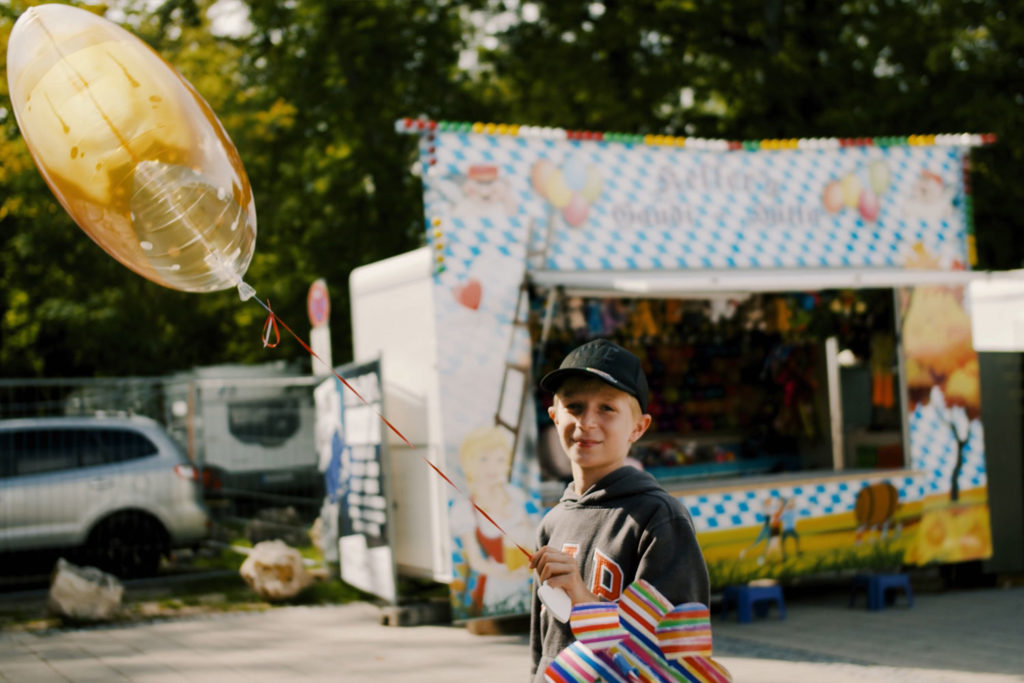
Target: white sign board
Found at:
x=997, y=314
x=354, y=457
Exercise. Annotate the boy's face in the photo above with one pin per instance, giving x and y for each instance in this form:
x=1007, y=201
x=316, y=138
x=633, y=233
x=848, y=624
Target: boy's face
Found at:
x=596, y=425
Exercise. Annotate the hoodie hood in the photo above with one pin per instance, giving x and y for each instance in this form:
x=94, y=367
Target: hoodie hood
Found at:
x=622, y=483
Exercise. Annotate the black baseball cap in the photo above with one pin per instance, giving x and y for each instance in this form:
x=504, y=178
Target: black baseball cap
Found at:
x=606, y=361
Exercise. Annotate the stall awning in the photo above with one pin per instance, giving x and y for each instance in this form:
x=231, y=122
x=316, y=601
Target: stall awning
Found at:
x=695, y=283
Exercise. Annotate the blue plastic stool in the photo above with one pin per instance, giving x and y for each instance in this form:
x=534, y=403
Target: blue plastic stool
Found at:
x=752, y=599
x=880, y=589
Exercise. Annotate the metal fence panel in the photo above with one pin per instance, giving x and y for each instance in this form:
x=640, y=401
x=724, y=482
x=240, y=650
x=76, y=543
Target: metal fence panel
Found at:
x=248, y=441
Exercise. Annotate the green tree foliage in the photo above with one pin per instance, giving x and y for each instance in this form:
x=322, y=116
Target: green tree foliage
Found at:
x=336, y=179
x=310, y=89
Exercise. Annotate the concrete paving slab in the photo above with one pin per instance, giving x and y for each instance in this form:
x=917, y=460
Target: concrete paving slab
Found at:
x=974, y=636
x=970, y=631
x=29, y=671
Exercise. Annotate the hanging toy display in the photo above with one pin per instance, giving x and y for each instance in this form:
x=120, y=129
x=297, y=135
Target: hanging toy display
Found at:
x=577, y=319
x=800, y=308
x=791, y=367
x=561, y=326
x=613, y=316
x=883, y=354
x=672, y=319
x=753, y=317
x=782, y=315
x=641, y=321
x=595, y=318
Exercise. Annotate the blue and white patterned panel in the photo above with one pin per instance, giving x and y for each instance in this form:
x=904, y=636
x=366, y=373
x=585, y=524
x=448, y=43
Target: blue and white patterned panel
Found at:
x=668, y=208
x=474, y=342
x=737, y=509
x=475, y=302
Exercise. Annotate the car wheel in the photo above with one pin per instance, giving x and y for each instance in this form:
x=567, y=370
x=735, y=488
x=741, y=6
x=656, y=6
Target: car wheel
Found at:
x=128, y=545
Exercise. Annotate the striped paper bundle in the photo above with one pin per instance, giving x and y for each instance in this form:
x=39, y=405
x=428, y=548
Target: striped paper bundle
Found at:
x=643, y=607
x=597, y=625
x=638, y=664
x=642, y=638
x=686, y=631
x=578, y=664
x=703, y=670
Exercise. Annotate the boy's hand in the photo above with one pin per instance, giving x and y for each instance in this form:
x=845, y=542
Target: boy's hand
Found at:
x=559, y=570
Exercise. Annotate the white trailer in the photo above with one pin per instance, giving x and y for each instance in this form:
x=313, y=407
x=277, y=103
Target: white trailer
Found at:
x=393, y=320
x=250, y=429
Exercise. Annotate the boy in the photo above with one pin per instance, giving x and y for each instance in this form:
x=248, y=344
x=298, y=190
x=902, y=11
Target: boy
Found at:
x=614, y=523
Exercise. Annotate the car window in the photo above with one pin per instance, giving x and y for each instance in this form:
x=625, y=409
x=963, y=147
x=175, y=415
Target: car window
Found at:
x=119, y=445
x=51, y=450
x=6, y=454
x=36, y=451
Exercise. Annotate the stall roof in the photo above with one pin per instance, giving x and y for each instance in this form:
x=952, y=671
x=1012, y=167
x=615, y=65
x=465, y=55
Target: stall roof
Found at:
x=424, y=126
x=679, y=283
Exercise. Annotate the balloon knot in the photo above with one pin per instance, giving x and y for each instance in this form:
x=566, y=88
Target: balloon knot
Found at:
x=245, y=291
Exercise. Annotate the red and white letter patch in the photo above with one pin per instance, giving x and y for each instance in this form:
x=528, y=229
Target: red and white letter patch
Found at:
x=607, y=582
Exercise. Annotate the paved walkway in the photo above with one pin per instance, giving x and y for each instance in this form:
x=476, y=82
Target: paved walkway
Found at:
x=975, y=635
x=970, y=635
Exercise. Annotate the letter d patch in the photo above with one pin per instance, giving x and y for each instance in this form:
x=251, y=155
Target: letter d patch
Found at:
x=607, y=582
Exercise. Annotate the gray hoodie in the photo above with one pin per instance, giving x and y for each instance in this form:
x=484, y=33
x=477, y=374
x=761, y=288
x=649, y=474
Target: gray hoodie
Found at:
x=623, y=528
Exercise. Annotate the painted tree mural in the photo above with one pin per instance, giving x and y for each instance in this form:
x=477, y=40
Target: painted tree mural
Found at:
x=940, y=357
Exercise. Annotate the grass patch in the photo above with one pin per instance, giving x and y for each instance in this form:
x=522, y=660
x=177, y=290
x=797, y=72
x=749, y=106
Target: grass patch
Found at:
x=880, y=555
x=208, y=580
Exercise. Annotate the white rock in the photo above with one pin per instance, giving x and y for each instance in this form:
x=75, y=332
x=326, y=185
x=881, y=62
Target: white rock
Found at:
x=84, y=592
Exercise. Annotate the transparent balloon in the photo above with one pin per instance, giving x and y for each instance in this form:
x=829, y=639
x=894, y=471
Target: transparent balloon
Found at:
x=131, y=150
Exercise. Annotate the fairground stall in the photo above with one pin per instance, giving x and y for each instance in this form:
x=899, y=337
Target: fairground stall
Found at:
x=799, y=307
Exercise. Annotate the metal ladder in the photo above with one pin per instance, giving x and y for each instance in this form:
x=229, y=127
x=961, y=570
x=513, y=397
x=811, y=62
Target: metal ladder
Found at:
x=521, y=323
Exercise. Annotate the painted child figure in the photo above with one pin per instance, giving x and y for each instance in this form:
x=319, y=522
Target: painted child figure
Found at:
x=614, y=524
x=491, y=567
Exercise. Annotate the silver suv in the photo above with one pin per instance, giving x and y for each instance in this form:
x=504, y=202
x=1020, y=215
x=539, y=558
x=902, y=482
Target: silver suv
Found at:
x=115, y=492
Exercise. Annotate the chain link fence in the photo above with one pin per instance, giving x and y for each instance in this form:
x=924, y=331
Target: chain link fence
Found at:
x=245, y=434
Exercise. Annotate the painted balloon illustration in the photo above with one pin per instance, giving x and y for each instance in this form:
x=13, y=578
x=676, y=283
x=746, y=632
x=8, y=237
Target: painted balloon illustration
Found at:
x=879, y=176
x=850, y=192
x=833, y=197
x=571, y=189
x=131, y=150
x=851, y=187
x=867, y=204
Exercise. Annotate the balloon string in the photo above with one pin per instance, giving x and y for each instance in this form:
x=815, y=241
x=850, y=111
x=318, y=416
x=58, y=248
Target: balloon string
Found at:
x=271, y=324
x=476, y=507
x=273, y=320
x=268, y=326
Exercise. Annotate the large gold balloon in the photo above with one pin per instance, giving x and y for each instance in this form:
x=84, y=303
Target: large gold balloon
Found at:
x=131, y=150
